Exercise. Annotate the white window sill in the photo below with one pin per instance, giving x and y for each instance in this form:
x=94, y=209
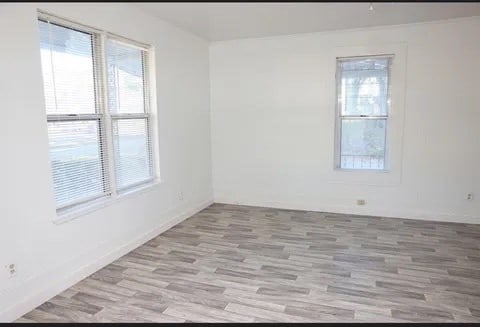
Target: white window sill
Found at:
x=97, y=204
x=362, y=170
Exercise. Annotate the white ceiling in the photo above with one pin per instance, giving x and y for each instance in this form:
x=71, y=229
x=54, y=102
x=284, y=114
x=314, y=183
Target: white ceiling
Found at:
x=225, y=21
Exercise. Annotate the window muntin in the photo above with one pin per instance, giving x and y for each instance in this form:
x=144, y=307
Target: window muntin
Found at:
x=98, y=119
x=363, y=100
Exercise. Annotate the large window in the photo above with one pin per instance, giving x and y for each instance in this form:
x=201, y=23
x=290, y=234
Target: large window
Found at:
x=363, y=100
x=97, y=104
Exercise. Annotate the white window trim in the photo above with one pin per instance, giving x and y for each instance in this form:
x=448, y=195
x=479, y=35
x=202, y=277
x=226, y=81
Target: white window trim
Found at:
x=113, y=195
x=392, y=173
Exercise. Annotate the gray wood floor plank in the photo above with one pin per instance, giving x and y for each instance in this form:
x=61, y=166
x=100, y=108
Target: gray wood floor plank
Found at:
x=231, y=263
x=263, y=313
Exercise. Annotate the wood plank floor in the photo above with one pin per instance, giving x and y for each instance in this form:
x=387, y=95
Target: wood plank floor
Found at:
x=249, y=264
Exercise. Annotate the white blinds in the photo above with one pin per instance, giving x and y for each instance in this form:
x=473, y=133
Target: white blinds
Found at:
x=132, y=155
x=74, y=122
x=96, y=142
x=128, y=105
x=76, y=159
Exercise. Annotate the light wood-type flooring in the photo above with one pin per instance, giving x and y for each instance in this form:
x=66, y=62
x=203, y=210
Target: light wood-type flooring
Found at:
x=233, y=263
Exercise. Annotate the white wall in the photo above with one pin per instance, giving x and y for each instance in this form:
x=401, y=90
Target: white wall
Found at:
x=51, y=257
x=272, y=112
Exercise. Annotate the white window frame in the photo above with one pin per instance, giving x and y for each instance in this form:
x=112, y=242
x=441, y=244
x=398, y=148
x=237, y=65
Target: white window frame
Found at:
x=394, y=146
x=147, y=115
x=339, y=116
x=112, y=193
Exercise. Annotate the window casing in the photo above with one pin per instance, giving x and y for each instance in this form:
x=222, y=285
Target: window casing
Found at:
x=363, y=112
x=97, y=97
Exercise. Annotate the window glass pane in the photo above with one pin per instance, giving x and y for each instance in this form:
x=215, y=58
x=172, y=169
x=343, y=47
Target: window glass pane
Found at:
x=363, y=143
x=67, y=66
x=364, y=86
x=131, y=147
x=75, y=155
x=125, y=78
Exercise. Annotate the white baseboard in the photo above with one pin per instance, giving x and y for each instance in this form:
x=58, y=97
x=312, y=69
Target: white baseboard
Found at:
x=380, y=212
x=55, y=284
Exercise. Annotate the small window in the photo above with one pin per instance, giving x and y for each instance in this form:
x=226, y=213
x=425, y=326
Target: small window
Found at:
x=98, y=127
x=363, y=101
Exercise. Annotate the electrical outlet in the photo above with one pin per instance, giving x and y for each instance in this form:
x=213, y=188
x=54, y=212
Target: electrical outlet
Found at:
x=11, y=270
x=180, y=196
x=469, y=196
x=361, y=202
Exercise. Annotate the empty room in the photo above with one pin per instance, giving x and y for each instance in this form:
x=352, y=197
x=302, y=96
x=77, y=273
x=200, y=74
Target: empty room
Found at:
x=240, y=162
